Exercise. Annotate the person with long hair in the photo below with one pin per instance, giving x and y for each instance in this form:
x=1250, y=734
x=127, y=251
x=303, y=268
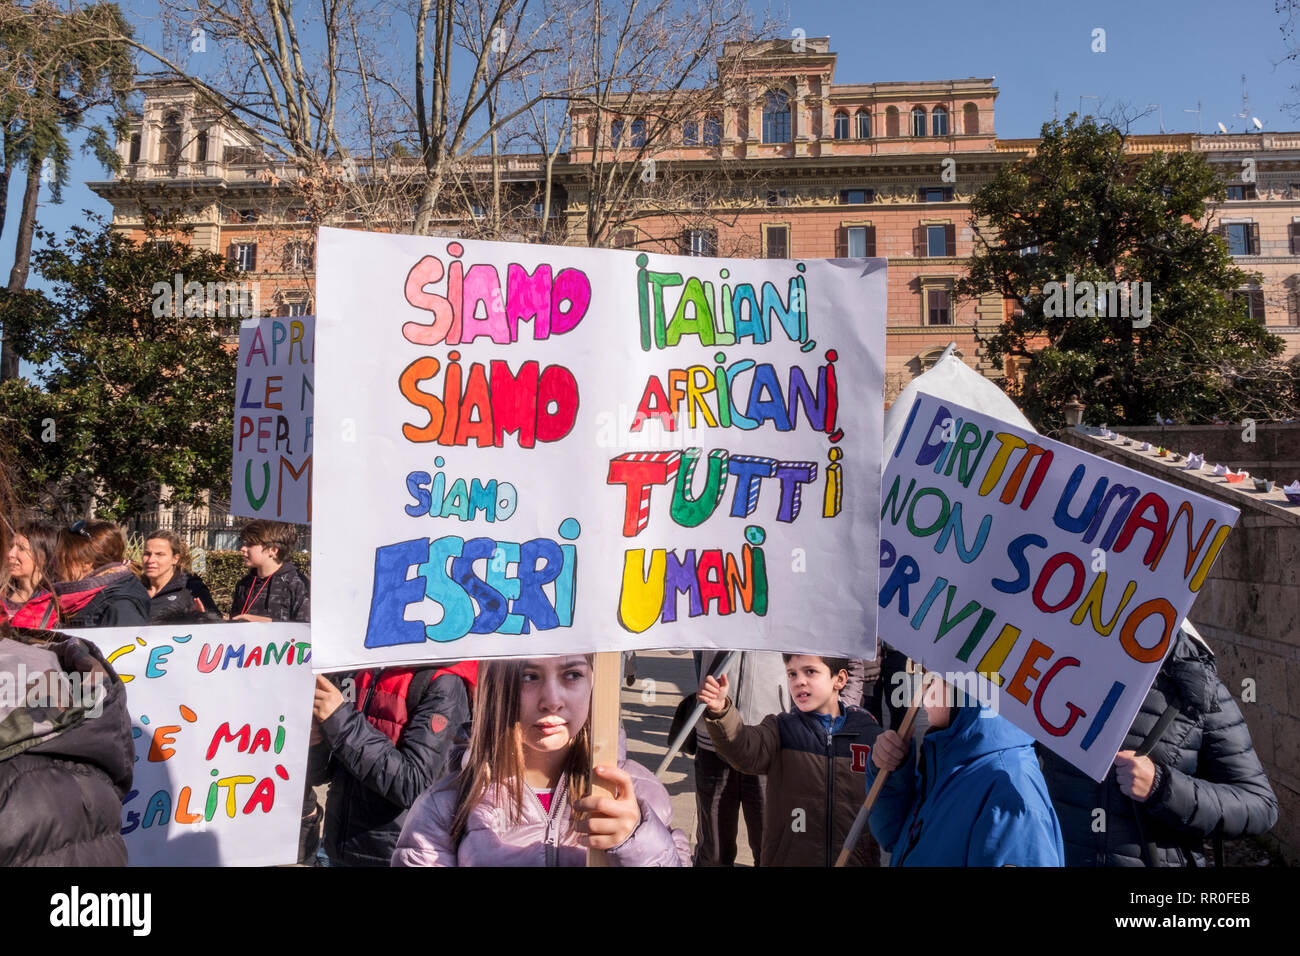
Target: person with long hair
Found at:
x=175, y=593
x=65, y=759
x=29, y=598
x=98, y=586
x=515, y=800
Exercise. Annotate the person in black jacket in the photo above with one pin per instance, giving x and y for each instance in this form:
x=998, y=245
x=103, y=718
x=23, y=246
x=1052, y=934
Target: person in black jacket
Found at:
x=383, y=750
x=274, y=590
x=175, y=595
x=1201, y=779
x=67, y=757
x=98, y=587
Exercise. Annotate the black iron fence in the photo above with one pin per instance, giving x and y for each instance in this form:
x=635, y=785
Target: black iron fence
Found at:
x=218, y=530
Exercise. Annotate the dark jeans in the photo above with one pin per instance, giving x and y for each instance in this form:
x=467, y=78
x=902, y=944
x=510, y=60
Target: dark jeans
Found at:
x=720, y=794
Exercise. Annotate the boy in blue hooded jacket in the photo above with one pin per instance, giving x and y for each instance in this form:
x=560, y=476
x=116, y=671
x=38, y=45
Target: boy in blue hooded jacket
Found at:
x=975, y=796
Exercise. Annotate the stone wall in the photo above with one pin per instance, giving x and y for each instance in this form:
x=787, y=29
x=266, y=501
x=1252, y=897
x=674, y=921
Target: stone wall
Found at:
x=1248, y=611
x=1275, y=452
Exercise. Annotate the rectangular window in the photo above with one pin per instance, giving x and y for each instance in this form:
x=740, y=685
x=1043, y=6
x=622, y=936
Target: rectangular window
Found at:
x=296, y=307
x=1293, y=237
x=247, y=215
x=1243, y=238
x=776, y=242
x=701, y=242
x=300, y=214
x=1254, y=301
x=778, y=197
x=302, y=256
x=1241, y=192
x=857, y=242
x=855, y=197
x=939, y=307
x=624, y=238
x=935, y=194
x=1030, y=250
x=936, y=240
x=245, y=256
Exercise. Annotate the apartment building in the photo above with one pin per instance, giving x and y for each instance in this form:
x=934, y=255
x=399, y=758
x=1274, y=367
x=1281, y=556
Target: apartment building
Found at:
x=788, y=163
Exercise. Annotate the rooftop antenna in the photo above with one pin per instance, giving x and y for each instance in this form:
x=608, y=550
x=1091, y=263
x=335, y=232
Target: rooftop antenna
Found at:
x=1161, y=112
x=1086, y=96
x=1056, y=106
x=1245, y=103
x=1197, y=111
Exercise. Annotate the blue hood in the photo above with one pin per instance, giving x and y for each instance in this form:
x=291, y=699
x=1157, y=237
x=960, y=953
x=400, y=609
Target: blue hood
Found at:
x=973, y=796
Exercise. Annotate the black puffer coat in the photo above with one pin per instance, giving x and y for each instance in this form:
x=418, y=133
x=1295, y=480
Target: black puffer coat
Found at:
x=1208, y=780
x=63, y=770
x=285, y=596
x=374, y=779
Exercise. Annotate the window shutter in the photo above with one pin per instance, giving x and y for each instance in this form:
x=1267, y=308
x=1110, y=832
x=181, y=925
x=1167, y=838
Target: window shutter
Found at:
x=684, y=242
x=1221, y=231
x=950, y=240
x=232, y=253
x=1254, y=239
x=871, y=242
x=918, y=241
x=1293, y=233
x=1257, y=303
x=1249, y=192
x=841, y=243
x=920, y=194
x=947, y=194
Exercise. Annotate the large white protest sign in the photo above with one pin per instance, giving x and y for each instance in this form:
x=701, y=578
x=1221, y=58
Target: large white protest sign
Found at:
x=525, y=449
x=1057, y=575
x=271, y=472
x=220, y=714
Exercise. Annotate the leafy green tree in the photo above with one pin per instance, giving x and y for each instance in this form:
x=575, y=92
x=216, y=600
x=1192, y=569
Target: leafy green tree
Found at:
x=134, y=386
x=1083, y=207
x=59, y=70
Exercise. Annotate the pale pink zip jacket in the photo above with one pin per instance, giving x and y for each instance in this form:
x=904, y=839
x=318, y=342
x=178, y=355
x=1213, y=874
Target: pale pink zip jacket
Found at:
x=539, y=838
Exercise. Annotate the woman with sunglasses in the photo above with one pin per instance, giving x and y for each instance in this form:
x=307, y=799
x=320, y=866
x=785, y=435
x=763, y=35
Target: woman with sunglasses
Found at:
x=99, y=587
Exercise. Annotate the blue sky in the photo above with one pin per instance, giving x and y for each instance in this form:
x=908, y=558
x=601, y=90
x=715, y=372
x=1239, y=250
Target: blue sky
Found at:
x=1171, y=52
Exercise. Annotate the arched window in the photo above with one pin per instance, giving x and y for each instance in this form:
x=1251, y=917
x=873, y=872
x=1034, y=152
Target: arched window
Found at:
x=918, y=121
x=776, y=118
x=690, y=133
x=616, y=133
x=891, y=121
x=970, y=119
x=201, y=146
x=862, y=125
x=939, y=121
x=841, y=124
x=712, y=131
x=638, y=133
x=171, y=139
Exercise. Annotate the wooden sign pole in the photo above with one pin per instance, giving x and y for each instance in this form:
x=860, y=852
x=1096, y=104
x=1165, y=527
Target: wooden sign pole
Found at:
x=905, y=732
x=605, y=703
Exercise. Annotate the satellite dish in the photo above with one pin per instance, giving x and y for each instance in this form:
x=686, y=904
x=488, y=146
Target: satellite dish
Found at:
x=1222, y=128
x=1258, y=124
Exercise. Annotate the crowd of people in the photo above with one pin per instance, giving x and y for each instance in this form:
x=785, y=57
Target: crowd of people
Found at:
x=473, y=763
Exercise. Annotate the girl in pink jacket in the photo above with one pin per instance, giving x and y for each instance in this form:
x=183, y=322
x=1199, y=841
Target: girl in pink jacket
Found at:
x=512, y=802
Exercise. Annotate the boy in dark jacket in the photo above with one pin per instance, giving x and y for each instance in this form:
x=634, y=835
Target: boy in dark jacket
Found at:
x=384, y=751
x=1202, y=777
x=273, y=590
x=814, y=756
